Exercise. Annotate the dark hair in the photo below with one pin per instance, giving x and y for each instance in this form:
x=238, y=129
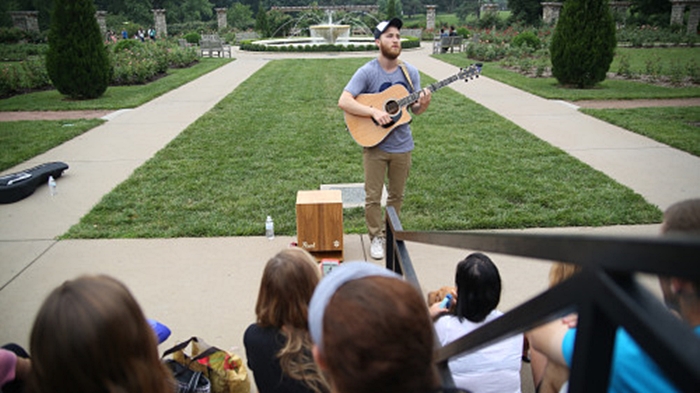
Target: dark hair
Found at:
x=378, y=338
x=90, y=335
x=478, y=287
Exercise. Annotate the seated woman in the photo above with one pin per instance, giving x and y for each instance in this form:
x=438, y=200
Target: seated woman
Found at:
x=371, y=332
x=278, y=346
x=496, y=368
x=90, y=335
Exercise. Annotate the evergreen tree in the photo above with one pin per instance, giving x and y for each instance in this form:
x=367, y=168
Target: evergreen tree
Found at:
x=77, y=60
x=262, y=25
x=391, y=9
x=583, y=44
x=528, y=12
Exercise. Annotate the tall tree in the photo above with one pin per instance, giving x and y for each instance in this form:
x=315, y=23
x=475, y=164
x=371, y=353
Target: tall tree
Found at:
x=77, y=60
x=528, y=12
x=583, y=44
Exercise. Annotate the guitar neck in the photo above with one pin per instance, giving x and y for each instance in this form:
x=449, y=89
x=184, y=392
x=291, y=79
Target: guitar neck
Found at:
x=413, y=97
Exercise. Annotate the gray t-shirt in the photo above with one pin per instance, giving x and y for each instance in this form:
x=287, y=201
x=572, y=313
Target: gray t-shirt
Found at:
x=371, y=78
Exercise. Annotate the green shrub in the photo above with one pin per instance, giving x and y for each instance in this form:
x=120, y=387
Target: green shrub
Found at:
x=527, y=38
x=77, y=61
x=19, y=52
x=23, y=76
x=693, y=71
x=584, y=43
x=10, y=35
x=624, y=68
x=463, y=32
x=193, y=38
x=127, y=44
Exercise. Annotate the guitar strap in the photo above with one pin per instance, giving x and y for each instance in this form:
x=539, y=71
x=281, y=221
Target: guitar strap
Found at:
x=405, y=73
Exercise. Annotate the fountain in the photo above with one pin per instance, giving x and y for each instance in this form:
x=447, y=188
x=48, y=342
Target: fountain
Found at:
x=330, y=33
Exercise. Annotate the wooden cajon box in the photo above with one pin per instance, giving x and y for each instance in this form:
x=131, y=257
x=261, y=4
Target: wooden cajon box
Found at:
x=320, y=223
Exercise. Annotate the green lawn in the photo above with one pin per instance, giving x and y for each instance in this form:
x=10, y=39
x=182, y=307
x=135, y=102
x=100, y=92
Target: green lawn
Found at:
x=116, y=97
x=610, y=89
x=277, y=134
x=677, y=127
x=22, y=140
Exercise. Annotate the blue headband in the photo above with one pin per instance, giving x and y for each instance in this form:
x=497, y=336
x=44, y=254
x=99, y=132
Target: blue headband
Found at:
x=348, y=271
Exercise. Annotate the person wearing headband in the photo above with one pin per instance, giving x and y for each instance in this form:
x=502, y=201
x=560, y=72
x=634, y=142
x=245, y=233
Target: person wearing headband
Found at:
x=390, y=158
x=372, y=332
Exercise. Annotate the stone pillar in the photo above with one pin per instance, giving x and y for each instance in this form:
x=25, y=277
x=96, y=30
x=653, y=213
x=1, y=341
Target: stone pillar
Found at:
x=550, y=12
x=100, y=16
x=430, y=17
x=159, y=20
x=693, y=18
x=619, y=11
x=677, y=9
x=221, y=17
x=25, y=20
x=489, y=8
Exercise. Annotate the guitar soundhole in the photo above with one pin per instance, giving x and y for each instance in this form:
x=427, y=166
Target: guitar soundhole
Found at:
x=391, y=107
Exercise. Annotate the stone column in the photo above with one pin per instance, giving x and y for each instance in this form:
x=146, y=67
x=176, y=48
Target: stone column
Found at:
x=694, y=18
x=488, y=8
x=221, y=17
x=25, y=20
x=677, y=9
x=430, y=17
x=550, y=12
x=619, y=11
x=100, y=16
x=159, y=20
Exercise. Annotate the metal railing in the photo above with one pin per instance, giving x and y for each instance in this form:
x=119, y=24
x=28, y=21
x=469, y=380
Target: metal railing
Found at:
x=605, y=295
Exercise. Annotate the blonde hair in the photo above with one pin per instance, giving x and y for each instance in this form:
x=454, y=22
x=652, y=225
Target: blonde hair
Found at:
x=562, y=271
x=287, y=284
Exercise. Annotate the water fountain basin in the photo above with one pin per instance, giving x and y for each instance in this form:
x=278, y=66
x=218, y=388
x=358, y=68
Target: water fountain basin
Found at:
x=330, y=33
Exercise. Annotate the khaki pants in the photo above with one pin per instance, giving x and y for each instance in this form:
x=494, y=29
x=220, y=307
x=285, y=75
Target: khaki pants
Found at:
x=378, y=166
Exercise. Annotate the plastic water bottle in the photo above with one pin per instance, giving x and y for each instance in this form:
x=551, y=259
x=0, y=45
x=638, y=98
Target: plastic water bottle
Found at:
x=269, y=228
x=52, y=186
x=447, y=301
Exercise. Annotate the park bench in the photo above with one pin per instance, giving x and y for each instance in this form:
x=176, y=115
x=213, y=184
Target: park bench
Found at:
x=443, y=44
x=211, y=44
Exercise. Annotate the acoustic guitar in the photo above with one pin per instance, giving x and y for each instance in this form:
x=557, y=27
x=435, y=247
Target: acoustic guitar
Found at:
x=394, y=101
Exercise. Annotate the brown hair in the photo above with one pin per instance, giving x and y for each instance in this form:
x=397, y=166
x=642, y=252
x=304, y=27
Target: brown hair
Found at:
x=561, y=271
x=287, y=284
x=90, y=335
x=377, y=337
x=682, y=217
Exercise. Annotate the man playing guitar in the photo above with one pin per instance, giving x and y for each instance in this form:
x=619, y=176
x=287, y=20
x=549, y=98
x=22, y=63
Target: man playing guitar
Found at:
x=391, y=157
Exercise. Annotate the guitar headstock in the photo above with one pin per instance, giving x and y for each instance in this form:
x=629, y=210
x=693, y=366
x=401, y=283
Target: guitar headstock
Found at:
x=470, y=72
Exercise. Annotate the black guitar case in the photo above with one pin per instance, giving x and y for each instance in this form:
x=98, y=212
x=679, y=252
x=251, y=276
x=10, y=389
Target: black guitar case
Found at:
x=20, y=185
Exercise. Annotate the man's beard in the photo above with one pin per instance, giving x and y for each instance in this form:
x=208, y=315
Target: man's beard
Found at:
x=389, y=52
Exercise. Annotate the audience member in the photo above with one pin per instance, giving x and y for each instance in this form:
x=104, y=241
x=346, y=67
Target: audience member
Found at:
x=452, y=31
x=495, y=368
x=278, y=345
x=14, y=368
x=632, y=370
x=371, y=332
x=549, y=377
x=90, y=335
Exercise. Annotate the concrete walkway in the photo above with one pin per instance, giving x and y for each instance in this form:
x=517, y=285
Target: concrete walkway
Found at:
x=208, y=287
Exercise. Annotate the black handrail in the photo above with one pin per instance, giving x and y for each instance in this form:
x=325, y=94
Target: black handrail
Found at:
x=605, y=294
